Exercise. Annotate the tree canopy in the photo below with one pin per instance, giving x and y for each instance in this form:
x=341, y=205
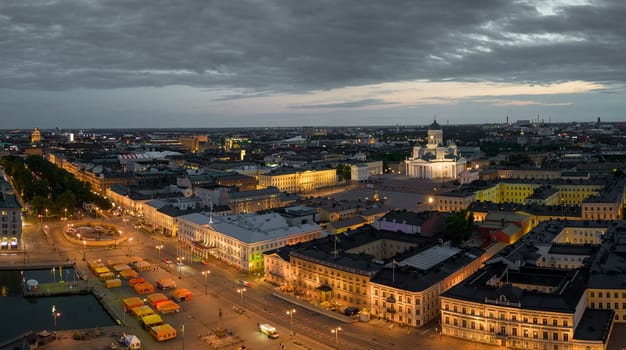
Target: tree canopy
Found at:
x=46, y=186
x=458, y=226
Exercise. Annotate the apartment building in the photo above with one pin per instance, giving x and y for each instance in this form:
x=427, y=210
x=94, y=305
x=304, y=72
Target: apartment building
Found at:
x=390, y=275
x=10, y=217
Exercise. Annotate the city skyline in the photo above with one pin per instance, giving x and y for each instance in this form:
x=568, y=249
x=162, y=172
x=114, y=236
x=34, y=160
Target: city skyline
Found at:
x=80, y=64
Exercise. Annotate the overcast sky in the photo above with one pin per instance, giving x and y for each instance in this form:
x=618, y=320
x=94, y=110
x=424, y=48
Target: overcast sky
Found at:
x=202, y=63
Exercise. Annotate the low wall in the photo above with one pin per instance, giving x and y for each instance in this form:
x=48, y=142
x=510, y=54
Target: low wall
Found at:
x=94, y=243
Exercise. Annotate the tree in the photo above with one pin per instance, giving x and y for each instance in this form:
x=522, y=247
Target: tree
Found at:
x=458, y=226
x=345, y=171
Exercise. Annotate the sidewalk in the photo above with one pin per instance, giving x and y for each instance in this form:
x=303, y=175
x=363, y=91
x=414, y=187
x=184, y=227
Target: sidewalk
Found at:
x=93, y=339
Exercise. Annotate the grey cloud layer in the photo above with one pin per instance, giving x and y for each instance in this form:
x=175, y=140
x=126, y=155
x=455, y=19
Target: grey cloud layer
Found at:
x=297, y=46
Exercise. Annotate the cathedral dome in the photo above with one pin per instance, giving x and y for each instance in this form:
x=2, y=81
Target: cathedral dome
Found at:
x=434, y=126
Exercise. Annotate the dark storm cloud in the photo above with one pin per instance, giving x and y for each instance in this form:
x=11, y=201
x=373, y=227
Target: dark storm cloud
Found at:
x=297, y=46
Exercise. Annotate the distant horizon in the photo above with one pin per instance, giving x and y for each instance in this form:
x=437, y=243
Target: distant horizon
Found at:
x=511, y=122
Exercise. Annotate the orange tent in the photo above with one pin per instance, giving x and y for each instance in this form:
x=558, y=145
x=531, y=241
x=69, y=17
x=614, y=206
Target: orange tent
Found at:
x=181, y=294
x=167, y=306
x=156, y=297
x=128, y=273
x=143, y=288
x=131, y=302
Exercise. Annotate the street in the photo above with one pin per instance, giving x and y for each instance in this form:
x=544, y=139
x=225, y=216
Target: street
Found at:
x=241, y=310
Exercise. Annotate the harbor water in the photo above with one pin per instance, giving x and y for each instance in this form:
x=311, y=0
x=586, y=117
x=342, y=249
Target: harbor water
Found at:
x=23, y=314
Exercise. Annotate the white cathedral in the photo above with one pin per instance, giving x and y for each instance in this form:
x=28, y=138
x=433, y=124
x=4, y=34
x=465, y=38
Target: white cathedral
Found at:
x=435, y=161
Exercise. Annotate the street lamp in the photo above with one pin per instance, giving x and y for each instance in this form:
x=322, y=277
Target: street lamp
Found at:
x=290, y=313
x=182, y=330
x=65, y=213
x=46, y=214
x=336, y=330
x=206, y=276
x=130, y=240
x=55, y=314
x=241, y=291
x=84, y=250
x=159, y=247
x=179, y=261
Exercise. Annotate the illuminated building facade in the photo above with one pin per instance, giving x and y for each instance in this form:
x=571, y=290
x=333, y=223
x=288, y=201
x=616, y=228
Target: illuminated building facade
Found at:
x=435, y=161
x=298, y=180
x=525, y=308
x=35, y=136
x=600, y=199
x=10, y=217
x=240, y=240
x=357, y=270
x=559, y=287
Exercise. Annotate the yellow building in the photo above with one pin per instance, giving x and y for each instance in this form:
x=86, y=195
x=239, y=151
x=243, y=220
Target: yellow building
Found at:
x=600, y=199
x=350, y=271
x=560, y=288
x=35, y=136
x=298, y=180
x=526, y=308
x=408, y=293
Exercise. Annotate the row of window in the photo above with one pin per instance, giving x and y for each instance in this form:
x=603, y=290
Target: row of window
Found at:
x=526, y=333
x=607, y=295
x=608, y=306
x=502, y=316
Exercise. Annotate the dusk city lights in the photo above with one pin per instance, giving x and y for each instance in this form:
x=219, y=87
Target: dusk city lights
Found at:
x=312, y=175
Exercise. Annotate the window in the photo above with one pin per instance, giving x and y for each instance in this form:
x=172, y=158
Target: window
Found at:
x=565, y=336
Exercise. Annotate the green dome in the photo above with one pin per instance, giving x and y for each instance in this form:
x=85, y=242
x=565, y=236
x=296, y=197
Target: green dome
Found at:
x=434, y=126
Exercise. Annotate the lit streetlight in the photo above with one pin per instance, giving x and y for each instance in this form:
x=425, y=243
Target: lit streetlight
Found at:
x=84, y=250
x=182, y=330
x=55, y=314
x=159, y=247
x=336, y=330
x=290, y=313
x=241, y=291
x=206, y=276
x=130, y=240
x=179, y=261
x=65, y=213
